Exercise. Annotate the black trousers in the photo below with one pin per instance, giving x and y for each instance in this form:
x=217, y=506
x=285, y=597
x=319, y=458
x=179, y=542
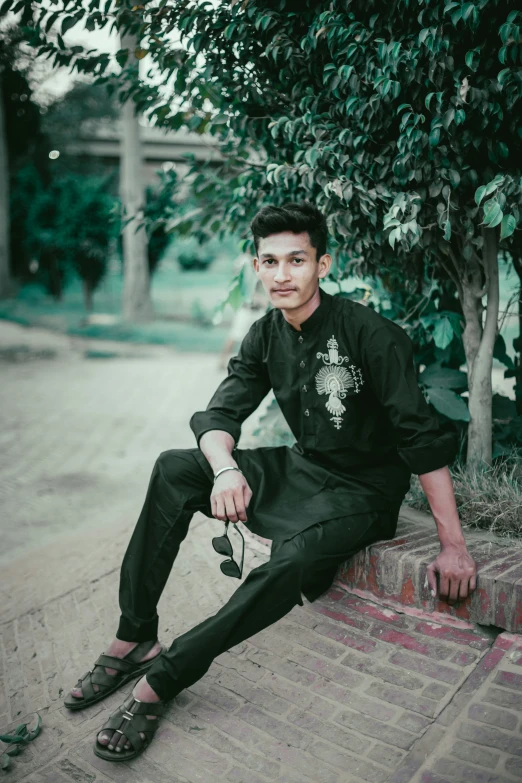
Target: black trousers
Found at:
x=304, y=564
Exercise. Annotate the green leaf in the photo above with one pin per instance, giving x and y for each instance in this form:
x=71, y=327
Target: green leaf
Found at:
x=5, y=7
x=447, y=230
x=497, y=219
x=444, y=377
x=443, y=333
x=479, y=194
x=492, y=210
x=448, y=117
x=509, y=223
x=67, y=23
x=454, y=177
x=434, y=137
x=219, y=119
x=448, y=403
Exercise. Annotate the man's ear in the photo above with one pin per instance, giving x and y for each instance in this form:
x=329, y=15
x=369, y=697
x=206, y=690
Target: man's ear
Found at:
x=325, y=262
x=255, y=264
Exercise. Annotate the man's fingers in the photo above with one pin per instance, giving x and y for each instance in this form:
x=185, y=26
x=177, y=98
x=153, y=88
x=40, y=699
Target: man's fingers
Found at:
x=432, y=579
x=220, y=508
x=247, y=495
x=443, y=586
x=239, y=502
x=463, y=589
x=454, y=591
x=230, y=507
x=473, y=583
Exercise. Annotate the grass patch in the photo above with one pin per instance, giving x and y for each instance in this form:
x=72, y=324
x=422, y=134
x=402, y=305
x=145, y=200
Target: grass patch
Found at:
x=487, y=498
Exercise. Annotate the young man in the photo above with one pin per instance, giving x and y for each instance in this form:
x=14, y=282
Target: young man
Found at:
x=344, y=378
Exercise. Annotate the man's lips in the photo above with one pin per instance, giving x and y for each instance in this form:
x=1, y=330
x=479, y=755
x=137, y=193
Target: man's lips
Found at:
x=283, y=290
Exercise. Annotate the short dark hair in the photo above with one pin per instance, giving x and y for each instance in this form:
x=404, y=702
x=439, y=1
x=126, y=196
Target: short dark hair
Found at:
x=292, y=217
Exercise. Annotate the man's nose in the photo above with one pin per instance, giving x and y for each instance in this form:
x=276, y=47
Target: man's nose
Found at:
x=282, y=273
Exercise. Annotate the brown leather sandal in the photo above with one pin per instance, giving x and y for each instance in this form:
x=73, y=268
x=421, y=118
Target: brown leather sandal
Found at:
x=123, y=721
x=129, y=668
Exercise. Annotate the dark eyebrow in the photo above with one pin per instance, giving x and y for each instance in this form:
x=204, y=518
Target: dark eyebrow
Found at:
x=291, y=253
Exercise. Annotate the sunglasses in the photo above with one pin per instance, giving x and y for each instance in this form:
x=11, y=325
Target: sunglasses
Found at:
x=223, y=546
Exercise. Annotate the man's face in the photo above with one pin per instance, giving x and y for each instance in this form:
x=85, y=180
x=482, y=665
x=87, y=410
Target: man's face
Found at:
x=288, y=268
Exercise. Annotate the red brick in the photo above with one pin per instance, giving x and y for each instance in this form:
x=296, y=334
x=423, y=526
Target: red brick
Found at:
x=346, y=637
x=374, y=612
x=416, y=644
x=385, y=755
x=463, y=658
x=468, y=752
x=426, y=667
x=298, y=761
x=457, y=635
x=390, y=674
x=336, y=613
x=508, y=679
x=374, y=728
x=278, y=729
x=413, y=722
x=435, y=691
x=503, y=698
x=458, y=770
x=308, y=639
x=514, y=767
x=357, y=766
x=254, y=694
x=326, y=669
x=492, y=738
x=402, y=698
x=296, y=695
x=502, y=719
x=329, y=731
x=288, y=669
x=241, y=775
x=355, y=701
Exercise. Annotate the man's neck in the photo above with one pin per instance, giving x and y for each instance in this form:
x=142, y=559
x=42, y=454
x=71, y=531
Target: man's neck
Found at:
x=297, y=315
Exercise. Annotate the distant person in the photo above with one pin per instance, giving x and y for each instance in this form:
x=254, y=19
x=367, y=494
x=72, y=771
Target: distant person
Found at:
x=345, y=381
x=244, y=317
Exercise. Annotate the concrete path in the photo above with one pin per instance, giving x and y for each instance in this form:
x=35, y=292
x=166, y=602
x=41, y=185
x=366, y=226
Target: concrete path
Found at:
x=339, y=691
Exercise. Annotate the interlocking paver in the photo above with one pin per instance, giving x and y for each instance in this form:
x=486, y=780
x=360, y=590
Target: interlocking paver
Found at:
x=340, y=691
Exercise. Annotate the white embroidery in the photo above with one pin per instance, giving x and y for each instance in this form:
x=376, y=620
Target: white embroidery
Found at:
x=336, y=381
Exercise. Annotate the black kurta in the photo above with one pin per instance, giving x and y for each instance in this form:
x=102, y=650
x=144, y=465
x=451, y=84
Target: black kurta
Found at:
x=346, y=385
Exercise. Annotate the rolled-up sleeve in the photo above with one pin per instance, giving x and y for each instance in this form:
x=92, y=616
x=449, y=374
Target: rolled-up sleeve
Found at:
x=245, y=386
x=389, y=366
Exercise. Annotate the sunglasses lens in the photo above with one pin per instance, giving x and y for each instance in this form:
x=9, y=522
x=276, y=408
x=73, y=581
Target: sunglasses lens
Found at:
x=222, y=545
x=229, y=568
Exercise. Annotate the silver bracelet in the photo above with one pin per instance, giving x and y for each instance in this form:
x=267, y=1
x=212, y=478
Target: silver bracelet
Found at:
x=232, y=467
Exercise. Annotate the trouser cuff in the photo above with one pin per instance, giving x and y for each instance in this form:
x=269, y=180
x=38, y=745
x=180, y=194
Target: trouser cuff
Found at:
x=133, y=631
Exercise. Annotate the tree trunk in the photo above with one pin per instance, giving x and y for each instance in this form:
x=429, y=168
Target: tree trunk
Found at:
x=478, y=345
x=136, y=304
x=87, y=295
x=517, y=263
x=7, y=287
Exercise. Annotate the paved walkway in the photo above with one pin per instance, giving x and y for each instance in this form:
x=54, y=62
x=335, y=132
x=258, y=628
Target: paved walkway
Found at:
x=339, y=691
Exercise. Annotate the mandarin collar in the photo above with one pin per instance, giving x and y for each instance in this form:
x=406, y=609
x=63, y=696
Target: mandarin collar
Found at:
x=317, y=317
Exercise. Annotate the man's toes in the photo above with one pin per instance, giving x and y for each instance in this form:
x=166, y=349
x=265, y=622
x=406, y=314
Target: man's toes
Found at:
x=104, y=737
x=77, y=692
x=121, y=743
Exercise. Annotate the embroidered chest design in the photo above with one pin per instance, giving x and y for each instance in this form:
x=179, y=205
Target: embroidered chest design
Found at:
x=336, y=380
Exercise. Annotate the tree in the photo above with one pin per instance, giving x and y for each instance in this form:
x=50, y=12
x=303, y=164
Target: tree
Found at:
x=137, y=304
x=400, y=121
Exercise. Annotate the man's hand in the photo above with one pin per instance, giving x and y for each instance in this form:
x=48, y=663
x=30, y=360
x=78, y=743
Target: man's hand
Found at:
x=230, y=496
x=457, y=574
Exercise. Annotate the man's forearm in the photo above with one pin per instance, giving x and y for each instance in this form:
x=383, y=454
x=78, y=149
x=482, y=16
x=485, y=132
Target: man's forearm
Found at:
x=438, y=488
x=217, y=447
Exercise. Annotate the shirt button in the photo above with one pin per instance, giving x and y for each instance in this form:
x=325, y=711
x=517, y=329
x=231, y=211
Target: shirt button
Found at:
x=300, y=339
x=302, y=364
x=307, y=412
x=305, y=388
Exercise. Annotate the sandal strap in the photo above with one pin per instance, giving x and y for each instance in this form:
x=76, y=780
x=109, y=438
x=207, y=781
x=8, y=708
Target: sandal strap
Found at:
x=120, y=664
x=143, y=707
x=132, y=723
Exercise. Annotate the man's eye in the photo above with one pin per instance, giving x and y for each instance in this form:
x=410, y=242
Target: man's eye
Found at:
x=298, y=259
x=268, y=260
